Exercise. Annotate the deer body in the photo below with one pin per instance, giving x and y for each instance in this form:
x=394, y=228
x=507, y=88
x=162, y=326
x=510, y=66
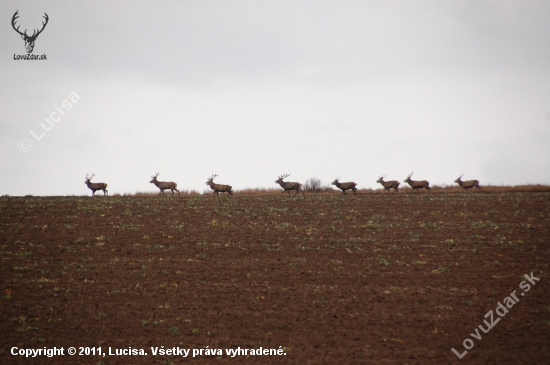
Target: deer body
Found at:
x=393, y=184
x=95, y=186
x=164, y=185
x=288, y=186
x=219, y=188
x=418, y=184
x=345, y=186
x=468, y=183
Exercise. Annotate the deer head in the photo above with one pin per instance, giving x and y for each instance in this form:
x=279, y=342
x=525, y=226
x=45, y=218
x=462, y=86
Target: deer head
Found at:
x=154, y=177
x=335, y=182
x=280, y=178
x=88, y=178
x=29, y=40
x=211, y=179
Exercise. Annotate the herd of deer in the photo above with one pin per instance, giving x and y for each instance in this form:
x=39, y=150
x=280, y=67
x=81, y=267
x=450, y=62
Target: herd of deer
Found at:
x=290, y=186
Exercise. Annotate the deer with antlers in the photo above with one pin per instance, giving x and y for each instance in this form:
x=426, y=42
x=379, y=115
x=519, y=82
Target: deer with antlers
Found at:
x=95, y=186
x=467, y=184
x=345, y=186
x=288, y=186
x=219, y=188
x=29, y=40
x=418, y=184
x=164, y=185
x=393, y=184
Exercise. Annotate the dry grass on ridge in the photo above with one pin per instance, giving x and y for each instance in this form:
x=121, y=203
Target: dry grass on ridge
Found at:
x=529, y=188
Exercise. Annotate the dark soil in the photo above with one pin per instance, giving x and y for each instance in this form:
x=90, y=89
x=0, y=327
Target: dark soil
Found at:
x=370, y=279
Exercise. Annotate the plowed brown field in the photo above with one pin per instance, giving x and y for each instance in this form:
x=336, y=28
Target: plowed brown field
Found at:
x=370, y=279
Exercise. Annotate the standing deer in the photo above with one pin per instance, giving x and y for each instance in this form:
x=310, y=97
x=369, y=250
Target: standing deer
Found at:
x=418, y=184
x=287, y=186
x=467, y=184
x=95, y=186
x=345, y=186
x=218, y=188
x=393, y=184
x=164, y=185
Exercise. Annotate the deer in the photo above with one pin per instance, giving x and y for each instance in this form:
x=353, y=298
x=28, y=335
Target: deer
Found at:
x=467, y=184
x=95, y=186
x=164, y=185
x=345, y=186
x=29, y=40
x=393, y=184
x=219, y=188
x=288, y=186
x=418, y=184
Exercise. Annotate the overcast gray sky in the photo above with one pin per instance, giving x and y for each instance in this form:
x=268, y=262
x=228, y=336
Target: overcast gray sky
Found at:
x=252, y=89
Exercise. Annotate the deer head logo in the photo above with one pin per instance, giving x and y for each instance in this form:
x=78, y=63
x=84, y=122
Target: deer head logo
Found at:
x=29, y=40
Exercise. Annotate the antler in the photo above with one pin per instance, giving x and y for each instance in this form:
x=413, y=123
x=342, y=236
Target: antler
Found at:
x=156, y=175
x=284, y=176
x=211, y=178
x=15, y=16
x=43, y=26
x=88, y=177
x=411, y=174
x=460, y=177
x=34, y=34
